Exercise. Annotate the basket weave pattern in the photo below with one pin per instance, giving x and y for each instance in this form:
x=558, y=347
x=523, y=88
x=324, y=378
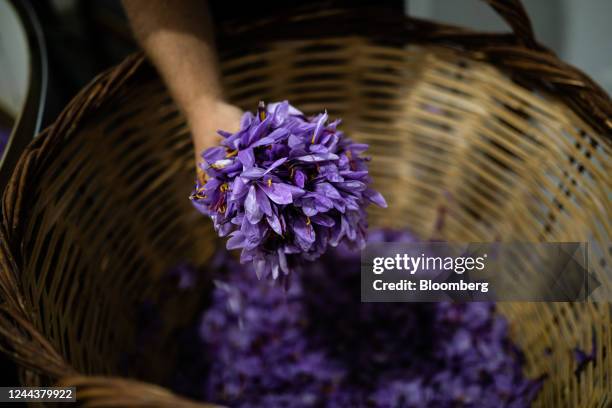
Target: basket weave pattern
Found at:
x=97, y=207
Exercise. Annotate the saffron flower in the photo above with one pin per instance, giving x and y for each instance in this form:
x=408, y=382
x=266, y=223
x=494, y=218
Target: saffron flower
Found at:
x=285, y=187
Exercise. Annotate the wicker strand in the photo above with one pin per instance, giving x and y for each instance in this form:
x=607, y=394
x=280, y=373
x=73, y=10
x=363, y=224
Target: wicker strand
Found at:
x=101, y=392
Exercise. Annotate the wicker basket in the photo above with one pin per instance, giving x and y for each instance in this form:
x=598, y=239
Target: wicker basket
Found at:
x=511, y=142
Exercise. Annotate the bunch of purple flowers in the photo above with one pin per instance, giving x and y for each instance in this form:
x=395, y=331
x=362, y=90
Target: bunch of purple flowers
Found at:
x=285, y=187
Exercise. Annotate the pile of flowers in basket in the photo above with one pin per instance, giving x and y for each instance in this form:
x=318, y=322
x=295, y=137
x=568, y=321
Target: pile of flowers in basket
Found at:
x=314, y=344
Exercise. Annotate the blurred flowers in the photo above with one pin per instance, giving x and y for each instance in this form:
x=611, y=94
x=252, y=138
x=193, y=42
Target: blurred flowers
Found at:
x=284, y=188
x=4, y=138
x=583, y=358
x=317, y=345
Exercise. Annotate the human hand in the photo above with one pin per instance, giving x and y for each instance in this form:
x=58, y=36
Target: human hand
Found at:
x=206, y=118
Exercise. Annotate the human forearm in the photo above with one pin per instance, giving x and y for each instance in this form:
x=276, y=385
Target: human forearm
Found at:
x=178, y=38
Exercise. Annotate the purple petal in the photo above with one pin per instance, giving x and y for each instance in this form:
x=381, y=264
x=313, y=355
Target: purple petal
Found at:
x=354, y=175
x=309, y=207
x=253, y=234
x=318, y=148
x=299, y=178
x=322, y=203
x=304, y=233
x=338, y=232
x=353, y=185
x=253, y=173
x=283, y=108
x=224, y=134
x=275, y=267
x=294, y=141
x=224, y=229
x=263, y=201
x=251, y=207
x=291, y=249
x=282, y=261
x=323, y=219
x=328, y=190
x=213, y=154
x=263, y=141
x=239, y=189
x=247, y=158
x=271, y=138
x=275, y=164
x=375, y=197
x=261, y=268
x=330, y=172
x=275, y=224
x=319, y=128
x=235, y=241
x=279, y=112
x=318, y=157
x=246, y=120
x=280, y=193
x=296, y=192
x=348, y=228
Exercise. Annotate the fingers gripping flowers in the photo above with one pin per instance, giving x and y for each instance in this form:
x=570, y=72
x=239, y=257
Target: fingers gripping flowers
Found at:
x=285, y=187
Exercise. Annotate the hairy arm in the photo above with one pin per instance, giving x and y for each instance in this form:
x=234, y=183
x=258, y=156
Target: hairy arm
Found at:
x=178, y=38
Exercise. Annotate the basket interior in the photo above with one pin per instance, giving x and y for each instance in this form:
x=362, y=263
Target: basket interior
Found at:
x=447, y=134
